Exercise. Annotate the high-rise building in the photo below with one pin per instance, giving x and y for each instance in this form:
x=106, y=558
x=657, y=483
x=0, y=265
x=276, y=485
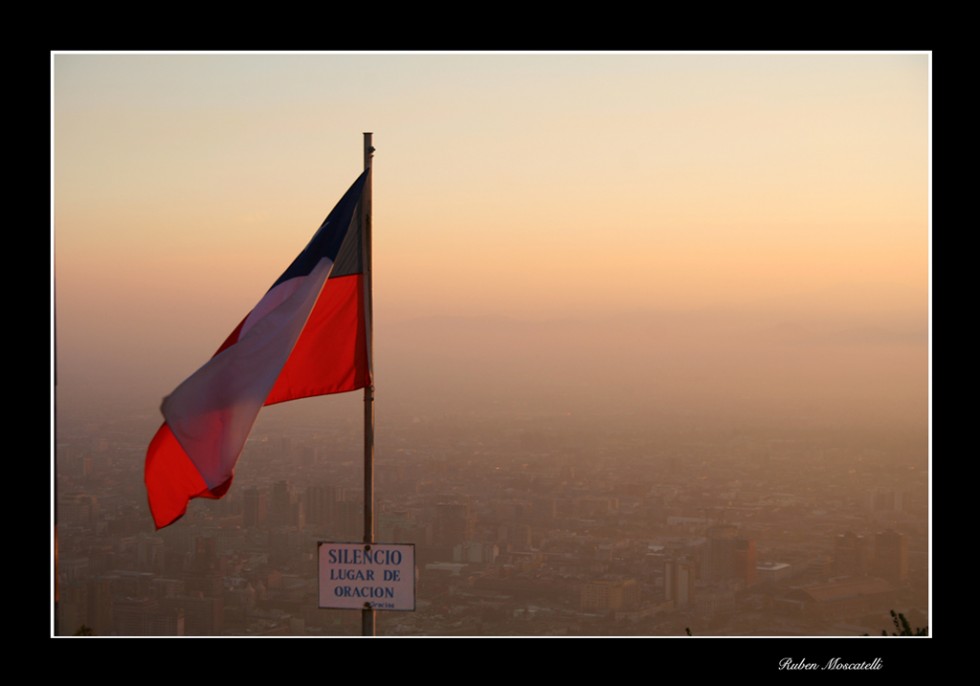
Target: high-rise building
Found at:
x=727, y=557
x=280, y=506
x=679, y=576
x=718, y=560
x=256, y=507
x=606, y=595
x=204, y=575
x=745, y=561
x=891, y=556
x=317, y=504
x=851, y=555
x=348, y=517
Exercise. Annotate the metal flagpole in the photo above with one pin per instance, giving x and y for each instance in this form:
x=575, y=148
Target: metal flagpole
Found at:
x=54, y=452
x=367, y=613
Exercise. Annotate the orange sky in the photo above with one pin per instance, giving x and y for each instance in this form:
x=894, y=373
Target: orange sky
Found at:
x=788, y=186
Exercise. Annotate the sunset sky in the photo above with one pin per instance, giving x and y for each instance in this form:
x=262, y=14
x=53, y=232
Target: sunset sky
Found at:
x=791, y=190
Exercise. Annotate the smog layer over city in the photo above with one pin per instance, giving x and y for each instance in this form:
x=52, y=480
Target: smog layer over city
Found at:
x=651, y=340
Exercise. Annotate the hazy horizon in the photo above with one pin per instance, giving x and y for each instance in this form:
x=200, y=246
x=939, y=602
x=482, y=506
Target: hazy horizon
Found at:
x=792, y=188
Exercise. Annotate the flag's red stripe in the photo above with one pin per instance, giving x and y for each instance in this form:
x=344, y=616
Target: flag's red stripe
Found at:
x=331, y=353
x=172, y=479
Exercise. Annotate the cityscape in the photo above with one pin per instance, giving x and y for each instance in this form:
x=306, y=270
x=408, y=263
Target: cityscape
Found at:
x=547, y=525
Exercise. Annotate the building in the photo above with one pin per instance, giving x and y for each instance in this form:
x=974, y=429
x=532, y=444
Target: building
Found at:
x=283, y=511
x=851, y=555
x=679, y=577
x=728, y=557
x=607, y=596
x=256, y=507
x=317, y=504
x=718, y=561
x=745, y=561
x=842, y=599
x=773, y=572
x=146, y=617
x=891, y=556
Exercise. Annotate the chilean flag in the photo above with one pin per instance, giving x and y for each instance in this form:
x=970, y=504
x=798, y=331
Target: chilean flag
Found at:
x=307, y=336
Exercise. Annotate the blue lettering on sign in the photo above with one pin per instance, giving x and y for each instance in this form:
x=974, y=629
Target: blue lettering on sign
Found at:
x=352, y=575
x=364, y=592
x=357, y=556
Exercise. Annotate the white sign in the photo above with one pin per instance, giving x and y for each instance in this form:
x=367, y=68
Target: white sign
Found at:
x=356, y=576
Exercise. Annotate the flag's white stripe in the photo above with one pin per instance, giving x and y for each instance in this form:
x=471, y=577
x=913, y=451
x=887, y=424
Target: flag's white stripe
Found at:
x=212, y=412
x=270, y=301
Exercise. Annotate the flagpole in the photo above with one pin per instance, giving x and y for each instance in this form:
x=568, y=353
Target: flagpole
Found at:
x=54, y=451
x=367, y=613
